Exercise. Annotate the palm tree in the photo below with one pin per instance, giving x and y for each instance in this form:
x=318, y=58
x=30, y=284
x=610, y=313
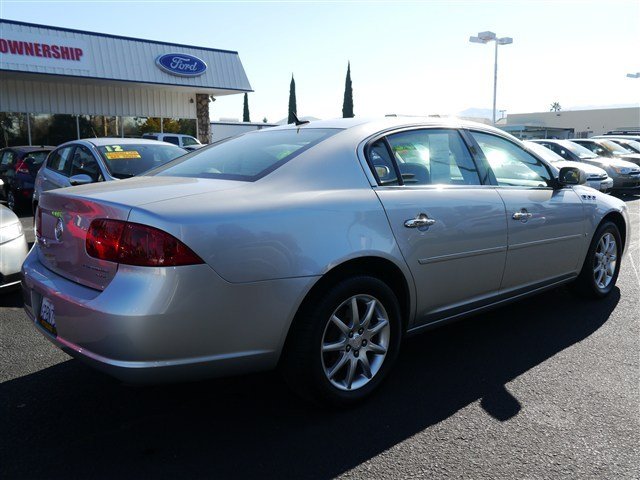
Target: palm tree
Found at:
x=555, y=107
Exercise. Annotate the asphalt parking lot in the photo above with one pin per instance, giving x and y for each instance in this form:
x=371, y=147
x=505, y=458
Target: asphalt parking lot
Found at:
x=545, y=388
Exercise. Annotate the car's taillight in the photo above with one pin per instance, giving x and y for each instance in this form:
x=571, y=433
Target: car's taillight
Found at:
x=136, y=244
x=22, y=167
x=38, y=222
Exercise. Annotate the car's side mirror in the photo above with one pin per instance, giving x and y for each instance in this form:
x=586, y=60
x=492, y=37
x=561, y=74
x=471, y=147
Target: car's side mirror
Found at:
x=571, y=176
x=80, y=179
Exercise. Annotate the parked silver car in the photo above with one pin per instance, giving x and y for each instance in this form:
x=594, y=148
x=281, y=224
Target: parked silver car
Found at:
x=625, y=175
x=13, y=248
x=98, y=159
x=312, y=247
x=596, y=177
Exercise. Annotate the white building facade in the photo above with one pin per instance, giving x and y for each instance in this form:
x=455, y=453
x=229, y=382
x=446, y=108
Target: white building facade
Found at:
x=576, y=123
x=59, y=84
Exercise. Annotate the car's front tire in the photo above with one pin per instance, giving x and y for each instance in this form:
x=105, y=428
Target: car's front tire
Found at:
x=343, y=342
x=602, y=264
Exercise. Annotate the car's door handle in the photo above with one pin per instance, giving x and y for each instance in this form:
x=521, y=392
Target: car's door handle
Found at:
x=522, y=215
x=422, y=220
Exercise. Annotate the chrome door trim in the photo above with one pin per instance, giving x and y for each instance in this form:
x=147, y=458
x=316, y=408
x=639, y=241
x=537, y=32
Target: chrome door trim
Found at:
x=455, y=256
x=546, y=241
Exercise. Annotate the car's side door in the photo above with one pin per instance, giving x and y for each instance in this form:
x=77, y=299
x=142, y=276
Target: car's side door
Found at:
x=545, y=223
x=58, y=169
x=450, y=228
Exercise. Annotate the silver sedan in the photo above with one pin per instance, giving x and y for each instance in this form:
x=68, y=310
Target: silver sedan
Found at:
x=13, y=248
x=314, y=248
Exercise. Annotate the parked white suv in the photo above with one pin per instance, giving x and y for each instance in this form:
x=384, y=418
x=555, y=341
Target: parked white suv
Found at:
x=185, y=141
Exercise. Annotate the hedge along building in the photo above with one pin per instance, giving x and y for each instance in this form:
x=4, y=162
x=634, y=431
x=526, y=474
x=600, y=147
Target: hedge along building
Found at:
x=58, y=84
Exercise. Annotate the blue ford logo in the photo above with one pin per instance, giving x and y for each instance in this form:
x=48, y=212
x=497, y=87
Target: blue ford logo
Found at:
x=181, y=64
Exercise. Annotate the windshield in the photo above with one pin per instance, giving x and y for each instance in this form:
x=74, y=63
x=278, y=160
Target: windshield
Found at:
x=247, y=157
x=630, y=145
x=578, y=150
x=124, y=161
x=614, y=147
x=544, y=152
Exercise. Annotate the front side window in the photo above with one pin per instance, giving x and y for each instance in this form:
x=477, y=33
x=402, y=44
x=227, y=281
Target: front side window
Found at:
x=188, y=141
x=512, y=165
x=247, y=157
x=128, y=160
x=171, y=139
x=60, y=161
x=84, y=163
x=432, y=157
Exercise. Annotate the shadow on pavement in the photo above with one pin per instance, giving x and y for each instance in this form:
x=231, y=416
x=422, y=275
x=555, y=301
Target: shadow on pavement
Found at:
x=11, y=297
x=70, y=421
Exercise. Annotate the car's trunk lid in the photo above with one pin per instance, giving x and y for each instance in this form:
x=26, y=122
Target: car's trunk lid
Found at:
x=65, y=216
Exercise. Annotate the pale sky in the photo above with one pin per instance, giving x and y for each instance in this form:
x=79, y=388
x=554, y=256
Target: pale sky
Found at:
x=407, y=57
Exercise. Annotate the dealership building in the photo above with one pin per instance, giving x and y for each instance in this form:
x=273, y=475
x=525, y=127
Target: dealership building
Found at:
x=58, y=84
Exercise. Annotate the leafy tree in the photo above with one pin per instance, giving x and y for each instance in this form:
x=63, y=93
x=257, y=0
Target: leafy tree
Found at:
x=347, y=103
x=555, y=107
x=245, y=109
x=293, y=109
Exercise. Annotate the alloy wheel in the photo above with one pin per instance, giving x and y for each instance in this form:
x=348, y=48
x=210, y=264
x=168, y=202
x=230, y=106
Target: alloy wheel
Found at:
x=605, y=259
x=355, y=342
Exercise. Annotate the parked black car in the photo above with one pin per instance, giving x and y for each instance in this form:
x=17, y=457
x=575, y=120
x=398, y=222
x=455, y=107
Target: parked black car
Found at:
x=18, y=169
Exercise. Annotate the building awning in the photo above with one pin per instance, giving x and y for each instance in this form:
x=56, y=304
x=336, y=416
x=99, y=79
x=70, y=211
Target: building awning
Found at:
x=38, y=50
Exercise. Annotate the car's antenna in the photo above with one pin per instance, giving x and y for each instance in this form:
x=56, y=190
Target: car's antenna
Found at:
x=297, y=121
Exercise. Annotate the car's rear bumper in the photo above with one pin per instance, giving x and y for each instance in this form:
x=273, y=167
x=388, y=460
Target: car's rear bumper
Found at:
x=166, y=324
x=12, y=254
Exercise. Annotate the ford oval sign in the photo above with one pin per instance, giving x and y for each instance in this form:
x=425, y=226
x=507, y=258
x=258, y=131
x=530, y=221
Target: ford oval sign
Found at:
x=181, y=64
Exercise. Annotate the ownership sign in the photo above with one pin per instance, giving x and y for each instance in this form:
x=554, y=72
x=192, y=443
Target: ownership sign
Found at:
x=18, y=48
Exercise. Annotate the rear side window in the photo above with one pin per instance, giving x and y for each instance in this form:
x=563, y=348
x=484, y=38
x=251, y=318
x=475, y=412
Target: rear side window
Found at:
x=150, y=137
x=431, y=157
x=60, y=161
x=247, y=157
x=36, y=158
x=7, y=158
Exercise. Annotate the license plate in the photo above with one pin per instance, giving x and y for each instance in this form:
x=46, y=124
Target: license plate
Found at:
x=48, y=316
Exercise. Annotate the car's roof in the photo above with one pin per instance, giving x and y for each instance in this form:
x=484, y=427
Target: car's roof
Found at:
x=31, y=148
x=168, y=133
x=102, y=141
x=382, y=123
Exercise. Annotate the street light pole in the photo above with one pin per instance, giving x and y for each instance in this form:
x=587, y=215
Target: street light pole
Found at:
x=486, y=37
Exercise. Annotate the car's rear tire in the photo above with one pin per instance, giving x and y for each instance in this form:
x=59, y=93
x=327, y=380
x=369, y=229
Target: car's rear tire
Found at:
x=602, y=264
x=343, y=342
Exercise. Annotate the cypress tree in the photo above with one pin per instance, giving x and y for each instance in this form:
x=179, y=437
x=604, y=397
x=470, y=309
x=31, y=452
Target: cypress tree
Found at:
x=292, y=101
x=245, y=109
x=347, y=103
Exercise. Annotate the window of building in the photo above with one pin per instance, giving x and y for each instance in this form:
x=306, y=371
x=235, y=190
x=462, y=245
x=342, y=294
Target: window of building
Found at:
x=13, y=129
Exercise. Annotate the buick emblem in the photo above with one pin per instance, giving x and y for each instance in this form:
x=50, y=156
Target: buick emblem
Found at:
x=59, y=229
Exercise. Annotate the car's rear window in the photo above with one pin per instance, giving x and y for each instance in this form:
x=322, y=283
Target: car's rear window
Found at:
x=247, y=157
x=124, y=161
x=36, y=158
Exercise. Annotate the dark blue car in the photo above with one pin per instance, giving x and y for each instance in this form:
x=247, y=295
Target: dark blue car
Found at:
x=18, y=169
